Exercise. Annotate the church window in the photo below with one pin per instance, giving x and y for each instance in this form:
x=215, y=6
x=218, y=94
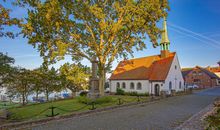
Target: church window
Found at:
x=170, y=85
x=175, y=67
x=139, y=86
x=118, y=85
x=132, y=85
x=123, y=85
x=180, y=85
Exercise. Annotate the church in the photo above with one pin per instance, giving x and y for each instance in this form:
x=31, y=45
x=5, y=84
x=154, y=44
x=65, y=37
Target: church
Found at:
x=151, y=74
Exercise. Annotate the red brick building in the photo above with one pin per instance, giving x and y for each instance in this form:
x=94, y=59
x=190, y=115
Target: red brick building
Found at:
x=201, y=77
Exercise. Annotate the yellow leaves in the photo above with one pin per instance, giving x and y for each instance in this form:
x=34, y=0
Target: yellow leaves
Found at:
x=97, y=11
x=29, y=27
x=75, y=36
x=62, y=47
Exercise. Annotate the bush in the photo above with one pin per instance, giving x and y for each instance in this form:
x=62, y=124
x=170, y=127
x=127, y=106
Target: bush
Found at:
x=102, y=100
x=83, y=93
x=136, y=94
x=119, y=91
x=86, y=100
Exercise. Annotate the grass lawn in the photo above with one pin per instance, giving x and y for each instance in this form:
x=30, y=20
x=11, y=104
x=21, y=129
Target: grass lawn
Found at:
x=8, y=105
x=64, y=107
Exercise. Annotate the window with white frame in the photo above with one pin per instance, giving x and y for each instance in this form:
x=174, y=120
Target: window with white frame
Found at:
x=170, y=85
x=131, y=85
x=118, y=85
x=123, y=85
x=139, y=86
x=180, y=85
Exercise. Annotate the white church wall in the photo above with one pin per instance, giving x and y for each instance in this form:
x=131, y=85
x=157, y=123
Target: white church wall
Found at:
x=174, y=76
x=145, y=86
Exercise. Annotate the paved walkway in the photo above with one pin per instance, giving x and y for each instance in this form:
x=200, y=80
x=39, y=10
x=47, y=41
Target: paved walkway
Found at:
x=163, y=115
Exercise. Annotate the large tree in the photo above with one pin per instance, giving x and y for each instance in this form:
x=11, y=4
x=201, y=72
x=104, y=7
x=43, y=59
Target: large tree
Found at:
x=107, y=29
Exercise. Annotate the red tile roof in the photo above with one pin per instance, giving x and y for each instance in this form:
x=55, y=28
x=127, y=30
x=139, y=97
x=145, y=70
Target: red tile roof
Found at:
x=152, y=68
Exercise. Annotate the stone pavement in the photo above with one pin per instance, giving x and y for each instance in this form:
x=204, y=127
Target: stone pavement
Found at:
x=196, y=122
x=166, y=114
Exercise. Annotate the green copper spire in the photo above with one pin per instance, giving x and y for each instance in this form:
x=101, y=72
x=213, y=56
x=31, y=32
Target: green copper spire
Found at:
x=165, y=42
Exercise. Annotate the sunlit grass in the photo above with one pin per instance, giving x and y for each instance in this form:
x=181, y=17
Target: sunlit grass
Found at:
x=64, y=107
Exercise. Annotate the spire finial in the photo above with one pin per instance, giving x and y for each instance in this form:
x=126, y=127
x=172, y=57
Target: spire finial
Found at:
x=164, y=36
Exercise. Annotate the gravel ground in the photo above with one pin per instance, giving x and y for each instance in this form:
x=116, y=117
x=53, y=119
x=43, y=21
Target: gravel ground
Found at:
x=166, y=114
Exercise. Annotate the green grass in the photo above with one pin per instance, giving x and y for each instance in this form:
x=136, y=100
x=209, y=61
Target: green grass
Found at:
x=67, y=106
x=8, y=105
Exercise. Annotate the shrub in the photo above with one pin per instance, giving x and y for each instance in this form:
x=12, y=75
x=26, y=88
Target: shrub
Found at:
x=102, y=100
x=119, y=91
x=84, y=100
x=83, y=93
x=136, y=94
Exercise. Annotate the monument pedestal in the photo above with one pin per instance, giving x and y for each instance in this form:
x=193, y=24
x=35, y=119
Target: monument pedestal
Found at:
x=94, y=90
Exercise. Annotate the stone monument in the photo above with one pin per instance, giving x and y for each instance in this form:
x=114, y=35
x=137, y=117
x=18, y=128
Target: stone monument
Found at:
x=94, y=81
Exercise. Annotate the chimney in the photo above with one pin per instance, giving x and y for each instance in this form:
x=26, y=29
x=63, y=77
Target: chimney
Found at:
x=164, y=53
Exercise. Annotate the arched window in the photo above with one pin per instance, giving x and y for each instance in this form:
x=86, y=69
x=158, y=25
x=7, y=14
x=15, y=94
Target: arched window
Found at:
x=118, y=85
x=131, y=85
x=139, y=86
x=123, y=85
x=170, y=85
x=180, y=85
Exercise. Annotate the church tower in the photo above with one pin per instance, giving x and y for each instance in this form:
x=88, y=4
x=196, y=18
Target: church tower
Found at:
x=165, y=42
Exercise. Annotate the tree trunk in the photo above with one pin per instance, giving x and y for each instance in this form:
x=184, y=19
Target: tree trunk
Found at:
x=37, y=94
x=73, y=94
x=23, y=99
x=101, y=81
x=47, y=95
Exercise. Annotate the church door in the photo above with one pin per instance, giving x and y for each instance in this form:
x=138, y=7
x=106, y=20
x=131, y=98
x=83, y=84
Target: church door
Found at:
x=157, y=90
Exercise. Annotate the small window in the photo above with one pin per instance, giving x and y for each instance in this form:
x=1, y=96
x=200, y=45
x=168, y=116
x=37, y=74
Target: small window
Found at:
x=132, y=85
x=118, y=85
x=170, y=85
x=123, y=85
x=180, y=85
x=139, y=86
x=161, y=85
x=175, y=67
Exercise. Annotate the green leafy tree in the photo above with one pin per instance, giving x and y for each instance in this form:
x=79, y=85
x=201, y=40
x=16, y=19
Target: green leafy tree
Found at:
x=21, y=84
x=107, y=29
x=74, y=77
x=37, y=82
x=50, y=81
x=5, y=68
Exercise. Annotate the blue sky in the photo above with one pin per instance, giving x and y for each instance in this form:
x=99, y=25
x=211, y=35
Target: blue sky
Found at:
x=193, y=27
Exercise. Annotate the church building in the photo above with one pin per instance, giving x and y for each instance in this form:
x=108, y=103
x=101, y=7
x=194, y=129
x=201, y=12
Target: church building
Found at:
x=151, y=74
